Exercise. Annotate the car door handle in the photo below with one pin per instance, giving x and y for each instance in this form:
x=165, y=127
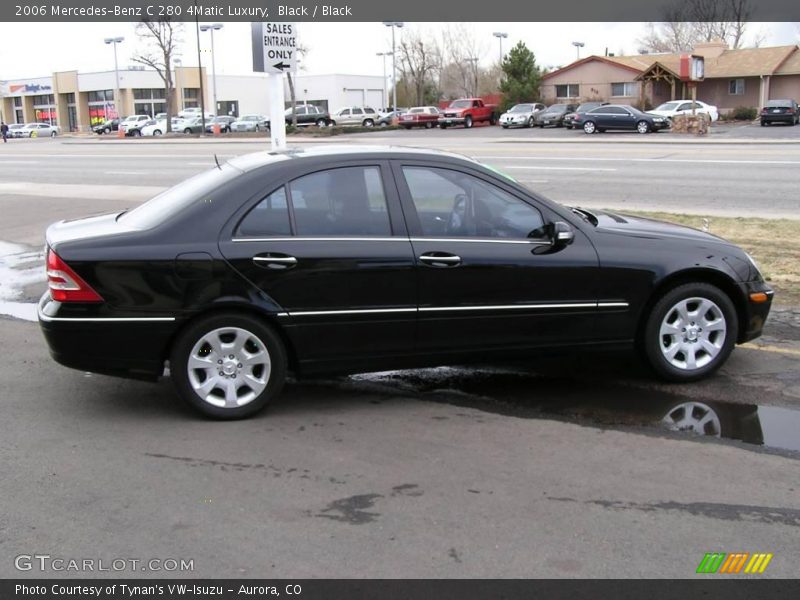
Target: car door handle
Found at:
x=440, y=259
x=275, y=261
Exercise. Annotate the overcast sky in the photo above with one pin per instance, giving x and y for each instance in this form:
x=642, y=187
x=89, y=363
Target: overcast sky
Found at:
x=38, y=49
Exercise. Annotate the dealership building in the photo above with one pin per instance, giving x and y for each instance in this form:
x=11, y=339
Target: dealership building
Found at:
x=77, y=101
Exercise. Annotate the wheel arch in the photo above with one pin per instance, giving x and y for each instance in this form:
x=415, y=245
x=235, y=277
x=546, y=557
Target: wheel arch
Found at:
x=696, y=275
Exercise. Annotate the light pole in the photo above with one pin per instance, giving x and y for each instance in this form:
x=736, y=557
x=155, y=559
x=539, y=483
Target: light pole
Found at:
x=212, y=29
x=474, y=61
x=578, y=46
x=385, y=94
x=114, y=41
x=393, y=25
x=500, y=35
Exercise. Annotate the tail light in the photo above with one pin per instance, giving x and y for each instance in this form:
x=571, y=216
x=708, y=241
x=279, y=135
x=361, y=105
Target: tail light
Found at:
x=65, y=284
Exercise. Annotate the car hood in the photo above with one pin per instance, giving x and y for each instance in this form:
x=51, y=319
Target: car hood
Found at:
x=623, y=224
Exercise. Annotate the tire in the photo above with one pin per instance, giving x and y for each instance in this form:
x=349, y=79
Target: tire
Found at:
x=674, y=335
x=156, y=132
x=442, y=126
x=222, y=399
x=107, y=130
x=530, y=123
x=321, y=123
x=504, y=126
x=468, y=122
x=589, y=127
x=187, y=131
x=643, y=127
x=428, y=125
x=493, y=119
x=368, y=123
x=333, y=123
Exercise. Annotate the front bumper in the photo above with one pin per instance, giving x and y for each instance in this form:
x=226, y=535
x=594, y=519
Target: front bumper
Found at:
x=755, y=313
x=451, y=120
x=92, y=338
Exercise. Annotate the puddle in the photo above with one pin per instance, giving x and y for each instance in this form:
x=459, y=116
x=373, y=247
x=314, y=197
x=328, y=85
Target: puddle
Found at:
x=530, y=395
x=19, y=267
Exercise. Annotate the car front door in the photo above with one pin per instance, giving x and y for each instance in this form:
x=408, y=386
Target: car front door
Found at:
x=330, y=248
x=488, y=275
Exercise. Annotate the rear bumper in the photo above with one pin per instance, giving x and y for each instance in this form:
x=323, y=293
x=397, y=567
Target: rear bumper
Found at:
x=787, y=118
x=85, y=338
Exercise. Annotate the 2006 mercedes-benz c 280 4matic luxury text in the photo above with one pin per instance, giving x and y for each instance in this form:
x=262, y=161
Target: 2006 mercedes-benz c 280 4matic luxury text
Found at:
x=357, y=259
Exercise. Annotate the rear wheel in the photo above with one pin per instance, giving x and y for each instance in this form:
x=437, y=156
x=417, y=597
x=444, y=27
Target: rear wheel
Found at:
x=589, y=127
x=690, y=332
x=368, y=123
x=321, y=123
x=156, y=132
x=228, y=366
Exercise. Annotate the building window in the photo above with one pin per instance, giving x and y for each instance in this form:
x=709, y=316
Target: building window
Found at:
x=44, y=100
x=625, y=89
x=17, y=101
x=191, y=97
x=736, y=87
x=45, y=115
x=567, y=90
x=148, y=94
x=70, y=98
x=101, y=96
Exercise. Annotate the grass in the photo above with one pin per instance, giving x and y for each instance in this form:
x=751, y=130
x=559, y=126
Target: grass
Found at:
x=773, y=243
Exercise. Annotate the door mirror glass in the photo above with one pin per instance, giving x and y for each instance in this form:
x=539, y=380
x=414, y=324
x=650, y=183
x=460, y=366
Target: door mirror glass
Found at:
x=563, y=234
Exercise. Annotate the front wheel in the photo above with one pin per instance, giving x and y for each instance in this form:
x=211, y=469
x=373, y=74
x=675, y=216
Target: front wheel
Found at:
x=228, y=366
x=690, y=332
x=468, y=122
x=428, y=125
x=643, y=127
x=589, y=127
x=530, y=123
x=321, y=123
x=107, y=130
x=187, y=130
x=156, y=132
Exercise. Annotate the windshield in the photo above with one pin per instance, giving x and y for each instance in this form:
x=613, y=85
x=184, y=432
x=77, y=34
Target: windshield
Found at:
x=176, y=199
x=521, y=108
x=461, y=104
x=587, y=106
x=668, y=106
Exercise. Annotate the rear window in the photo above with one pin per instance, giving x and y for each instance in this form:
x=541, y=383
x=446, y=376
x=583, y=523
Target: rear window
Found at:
x=780, y=103
x=176, y=199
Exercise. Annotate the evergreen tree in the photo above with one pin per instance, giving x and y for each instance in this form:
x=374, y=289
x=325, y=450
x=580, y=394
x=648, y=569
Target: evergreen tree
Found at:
x=521, y=76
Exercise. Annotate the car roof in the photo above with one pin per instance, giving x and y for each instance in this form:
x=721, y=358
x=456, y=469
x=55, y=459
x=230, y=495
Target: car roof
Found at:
x=255, y=160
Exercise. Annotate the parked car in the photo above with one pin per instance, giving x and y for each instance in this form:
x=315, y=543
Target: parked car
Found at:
x=467, y=112
x=780, y=111
x=224, y=123
x=308, y=114
x=521, y=115
x=13, y=127
x=364, y=116
x=192, y=112
x=32, y=130
x=155, y=128
x=134, y=122
x=312, y=251
x=554, y=115
x=674, y=108
x=420, y=116
x=619, y=116
x=386, y=119
x=586, y=106
x=135, y=129
x=250, y=123
x=191, y=125
x=106, y=126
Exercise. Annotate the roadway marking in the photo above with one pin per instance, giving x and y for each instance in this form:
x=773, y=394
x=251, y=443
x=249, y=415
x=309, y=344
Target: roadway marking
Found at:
x=19, y=162
x=125, y=172
x=558, y=168
x=665, y=160
x=767, y=348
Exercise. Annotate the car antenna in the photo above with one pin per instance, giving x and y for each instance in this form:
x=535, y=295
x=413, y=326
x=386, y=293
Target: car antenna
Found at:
x=216, y=160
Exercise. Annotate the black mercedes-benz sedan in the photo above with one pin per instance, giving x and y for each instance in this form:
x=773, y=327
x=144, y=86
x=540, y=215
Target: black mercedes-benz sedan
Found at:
x=619, y=116
x=351, y=259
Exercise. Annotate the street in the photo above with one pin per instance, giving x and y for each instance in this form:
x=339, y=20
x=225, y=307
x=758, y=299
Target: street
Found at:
x=548, y=467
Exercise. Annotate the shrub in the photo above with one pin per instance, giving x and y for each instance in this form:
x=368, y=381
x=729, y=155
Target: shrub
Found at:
x=745, y=113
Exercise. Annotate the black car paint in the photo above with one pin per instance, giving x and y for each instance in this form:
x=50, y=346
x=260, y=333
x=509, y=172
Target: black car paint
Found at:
x=603, y=118
x=190, y=265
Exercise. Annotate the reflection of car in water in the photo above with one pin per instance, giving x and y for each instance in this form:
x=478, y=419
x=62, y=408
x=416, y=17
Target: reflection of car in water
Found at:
x=734, y=421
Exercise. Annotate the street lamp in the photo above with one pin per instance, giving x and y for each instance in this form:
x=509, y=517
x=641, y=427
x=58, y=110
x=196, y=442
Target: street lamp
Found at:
x=394, y=24
x=114, y=41
x=385, y=94
x=500, y=35
x=474, y=61
x=212, y=29
x=578, y=46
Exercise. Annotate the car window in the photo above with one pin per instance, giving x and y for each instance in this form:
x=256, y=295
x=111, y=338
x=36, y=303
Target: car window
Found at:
x=685, y=106
x=345, y=201
x=344, y=112
x=455, y=204
x=358, y=111
x=267, y=218
x=614, y=110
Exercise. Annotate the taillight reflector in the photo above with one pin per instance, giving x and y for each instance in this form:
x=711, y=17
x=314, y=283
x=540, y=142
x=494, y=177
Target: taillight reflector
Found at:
x=65, y=284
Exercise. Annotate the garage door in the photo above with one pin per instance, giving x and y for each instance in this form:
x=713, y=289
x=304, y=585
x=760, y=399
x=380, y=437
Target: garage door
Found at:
x=354, y=97
x=375, y=99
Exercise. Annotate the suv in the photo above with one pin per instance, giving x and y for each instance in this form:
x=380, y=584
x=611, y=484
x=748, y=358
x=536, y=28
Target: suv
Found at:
x=364, y=116
x=308, y=114
x=780, y=111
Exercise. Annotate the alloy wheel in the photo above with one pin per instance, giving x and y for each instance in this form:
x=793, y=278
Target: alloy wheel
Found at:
x=695, y=417
x=692, y=333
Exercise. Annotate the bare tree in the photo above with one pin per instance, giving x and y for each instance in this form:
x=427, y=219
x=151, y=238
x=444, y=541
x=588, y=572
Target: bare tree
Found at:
x=300, y=51
x=420, y=60
x=161, y=39
x=690, y=22
x=460, y=71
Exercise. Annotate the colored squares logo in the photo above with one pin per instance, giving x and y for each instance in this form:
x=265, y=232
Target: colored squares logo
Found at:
x=734, y=563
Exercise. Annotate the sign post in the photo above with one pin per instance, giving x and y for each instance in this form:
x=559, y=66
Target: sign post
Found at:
x=274, y=53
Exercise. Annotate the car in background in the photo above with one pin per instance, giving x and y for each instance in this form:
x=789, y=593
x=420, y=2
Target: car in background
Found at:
x=420, y=116
x=355, y=115
x=133, y=122
x=191, y=125
x=386, y=119
x=223, y=121
x=135, y=130
x=155, y=128
x=780, y=111
x=250, y=123
x=467, y=112
x=12, y=127
x=619, y=116
x=32, y=130
x=554, y=115
x=586, y=106
x=106, y=126
x=521, y=115
x=308, y=114
x=673, y=108
x=193, y=112
x=301, y=269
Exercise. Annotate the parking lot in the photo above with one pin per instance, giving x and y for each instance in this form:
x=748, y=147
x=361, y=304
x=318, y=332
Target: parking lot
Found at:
x=545, y=467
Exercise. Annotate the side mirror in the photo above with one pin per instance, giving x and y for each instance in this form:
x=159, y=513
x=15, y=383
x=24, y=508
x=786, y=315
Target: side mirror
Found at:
x=562, y=234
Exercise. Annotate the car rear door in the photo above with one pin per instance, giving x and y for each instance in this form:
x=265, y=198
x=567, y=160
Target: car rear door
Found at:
x=484, y=281
x=330, y=248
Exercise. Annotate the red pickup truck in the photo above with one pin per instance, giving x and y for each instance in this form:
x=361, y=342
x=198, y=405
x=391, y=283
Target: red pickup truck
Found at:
x=467, y=112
